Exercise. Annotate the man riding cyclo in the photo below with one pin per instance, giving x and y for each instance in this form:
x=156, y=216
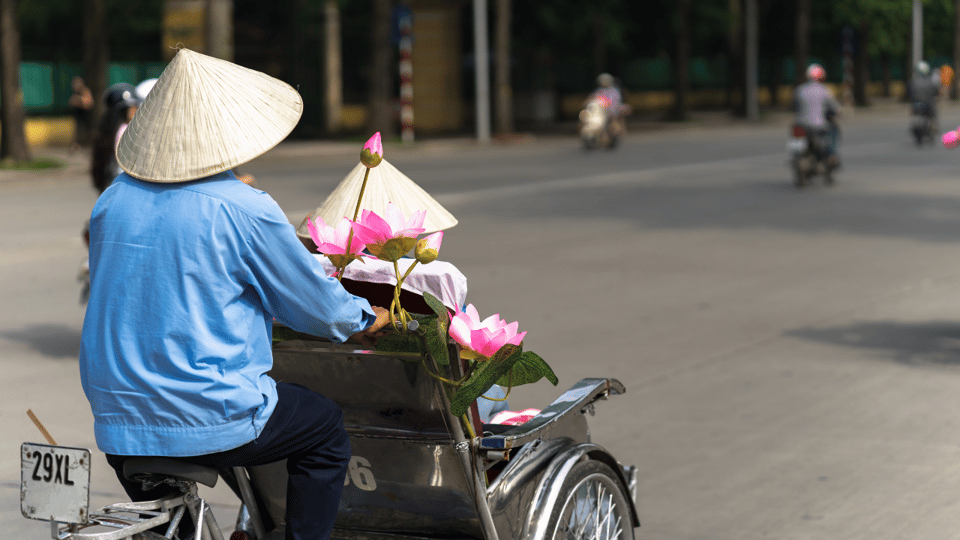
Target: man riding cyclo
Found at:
x=816, y=110
x=189, y=268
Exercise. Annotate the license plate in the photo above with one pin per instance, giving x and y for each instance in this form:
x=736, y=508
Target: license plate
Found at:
x=797, y=145
x=54, y=483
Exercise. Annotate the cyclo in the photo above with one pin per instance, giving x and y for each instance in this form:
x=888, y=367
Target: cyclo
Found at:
x=415, y=472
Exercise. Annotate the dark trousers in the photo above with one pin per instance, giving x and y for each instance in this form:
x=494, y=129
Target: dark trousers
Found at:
x=306, y=429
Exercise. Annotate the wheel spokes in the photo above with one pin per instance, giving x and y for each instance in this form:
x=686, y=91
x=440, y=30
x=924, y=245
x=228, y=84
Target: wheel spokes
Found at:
x=593, y=514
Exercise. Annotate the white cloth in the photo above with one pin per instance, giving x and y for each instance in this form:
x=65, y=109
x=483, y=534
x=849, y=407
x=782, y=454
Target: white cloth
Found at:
x=438, y=278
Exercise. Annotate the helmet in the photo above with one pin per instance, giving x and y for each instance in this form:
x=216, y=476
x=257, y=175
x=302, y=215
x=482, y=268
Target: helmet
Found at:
x=121, y=95
x=815, y=72
x=923, y=68
x=144, y=88
x=605, y=80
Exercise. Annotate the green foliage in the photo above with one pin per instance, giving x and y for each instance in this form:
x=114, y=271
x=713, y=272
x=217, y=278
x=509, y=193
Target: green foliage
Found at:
x=529, y=369
x=36, y=164
x=436, y=305
x=397, y=342
x=53, y=29
x=888, y=22
x=435, y=330
x=282, y=333
x=485, y=375
x=435, y=336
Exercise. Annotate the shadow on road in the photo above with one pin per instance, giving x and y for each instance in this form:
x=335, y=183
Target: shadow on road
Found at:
x=920, y=344
x=748, y=204
x=53, y=340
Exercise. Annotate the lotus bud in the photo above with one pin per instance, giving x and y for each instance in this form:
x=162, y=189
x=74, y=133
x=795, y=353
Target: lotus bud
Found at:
x=951, y=139
x=429, y=248
x=372, y=153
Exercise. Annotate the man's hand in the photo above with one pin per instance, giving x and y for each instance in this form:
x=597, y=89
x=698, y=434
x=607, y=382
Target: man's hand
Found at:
x=366, y=337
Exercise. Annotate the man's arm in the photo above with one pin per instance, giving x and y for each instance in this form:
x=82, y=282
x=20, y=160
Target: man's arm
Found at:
x=294, y=287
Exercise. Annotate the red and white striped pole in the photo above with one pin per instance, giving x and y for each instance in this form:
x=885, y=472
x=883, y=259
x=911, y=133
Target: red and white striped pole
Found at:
x=406, y=76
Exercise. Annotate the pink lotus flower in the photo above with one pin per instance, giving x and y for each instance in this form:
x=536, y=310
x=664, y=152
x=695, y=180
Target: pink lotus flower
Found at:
x=482, y=339
x=428, y=249
x=392, y=236
x=332, y=242
x=951, y=139
x=372, y=153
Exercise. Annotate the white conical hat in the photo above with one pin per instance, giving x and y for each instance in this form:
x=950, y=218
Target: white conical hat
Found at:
x=386, y=184
x=203, y=116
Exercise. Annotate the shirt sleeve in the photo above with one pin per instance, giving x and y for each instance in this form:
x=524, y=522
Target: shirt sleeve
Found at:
x=294, y=287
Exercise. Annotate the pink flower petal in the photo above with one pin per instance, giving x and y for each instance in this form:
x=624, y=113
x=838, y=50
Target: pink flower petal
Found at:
x=434, y=240
x=496, y=340
x=493, y=322
x=314, y=233
x=394, y=217
x=480, y=342
x=374, y=144
x=416, y=221
x=517, y=339
x=460, y=330
x=474, y=317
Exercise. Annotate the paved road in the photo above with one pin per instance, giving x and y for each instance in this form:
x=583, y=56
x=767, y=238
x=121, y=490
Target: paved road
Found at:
x=791, y=358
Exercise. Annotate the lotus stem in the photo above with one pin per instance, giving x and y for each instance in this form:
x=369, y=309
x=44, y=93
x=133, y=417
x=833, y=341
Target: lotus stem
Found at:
x=507, y=394
x=407, y=273
x=393, y=319
x=468, y=425
x=363, y=187
x=396, y=297
x=444, y=380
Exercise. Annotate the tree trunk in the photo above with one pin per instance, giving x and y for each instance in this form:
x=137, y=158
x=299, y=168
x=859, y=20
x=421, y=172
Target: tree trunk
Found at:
x=954, y=88
x=13, y=142
x=801, y=41
x=95, y=53
x=861, y=75
x=776, y=79
x=886, y=74
x=333, y=67
x=681, y=64
x=736, y=96
x=600, y=37
x=218, y=29
x=504, y=94
x=381, y=70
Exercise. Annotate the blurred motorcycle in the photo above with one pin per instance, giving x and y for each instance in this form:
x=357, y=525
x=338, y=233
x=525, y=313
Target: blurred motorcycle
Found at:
x=598, y=127
x=923, y=124
x=810, y=155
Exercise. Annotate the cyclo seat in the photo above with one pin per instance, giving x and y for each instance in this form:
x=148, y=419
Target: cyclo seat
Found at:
x=156, y=469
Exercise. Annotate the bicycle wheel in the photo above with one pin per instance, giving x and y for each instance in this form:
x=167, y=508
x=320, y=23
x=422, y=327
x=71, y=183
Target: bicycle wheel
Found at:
x=592, y=506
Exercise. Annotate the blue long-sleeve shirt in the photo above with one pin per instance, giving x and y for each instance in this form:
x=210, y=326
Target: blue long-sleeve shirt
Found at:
x=185, y=281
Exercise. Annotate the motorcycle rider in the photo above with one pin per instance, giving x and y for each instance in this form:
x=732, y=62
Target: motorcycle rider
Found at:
x=121, y=101
x=816, y=110
x=923, y=90
x=610, y=99
x=188, y=270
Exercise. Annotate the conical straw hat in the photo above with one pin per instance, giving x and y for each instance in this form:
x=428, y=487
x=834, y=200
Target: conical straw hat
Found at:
x=386, y=184
x=204, y=116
